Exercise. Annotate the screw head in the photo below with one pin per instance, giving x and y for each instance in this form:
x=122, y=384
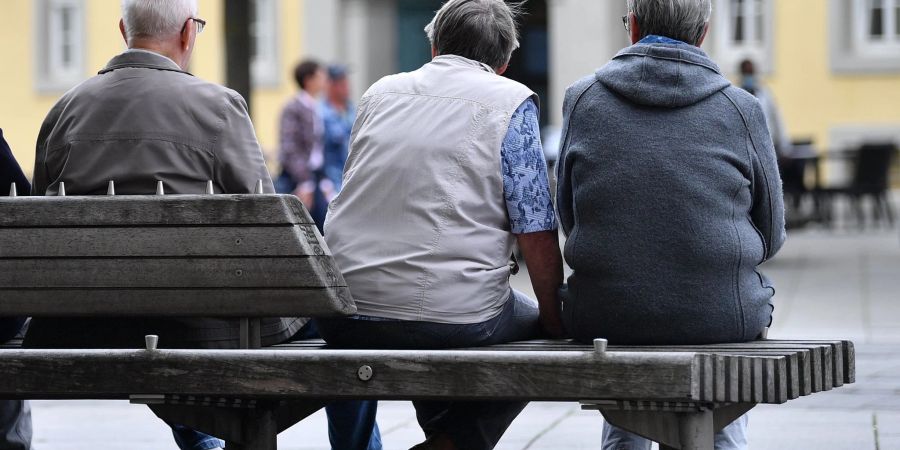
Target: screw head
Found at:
x=365, y=373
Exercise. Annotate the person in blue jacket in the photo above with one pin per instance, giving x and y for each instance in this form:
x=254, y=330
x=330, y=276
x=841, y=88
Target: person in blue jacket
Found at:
x=15, y=415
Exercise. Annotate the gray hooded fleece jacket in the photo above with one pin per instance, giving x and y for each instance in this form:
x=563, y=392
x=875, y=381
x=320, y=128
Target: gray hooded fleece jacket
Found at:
x=670, y=197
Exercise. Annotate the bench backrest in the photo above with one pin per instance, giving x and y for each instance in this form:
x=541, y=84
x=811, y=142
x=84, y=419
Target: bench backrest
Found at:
x=178, y=255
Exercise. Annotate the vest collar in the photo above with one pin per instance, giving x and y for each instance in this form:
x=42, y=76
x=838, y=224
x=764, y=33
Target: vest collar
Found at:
x=459, y=61
x=141, y=59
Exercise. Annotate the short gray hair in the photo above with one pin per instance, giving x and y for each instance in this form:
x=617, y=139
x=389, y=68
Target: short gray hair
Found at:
x=153, y=19
x=481, y=30
x=684, y=20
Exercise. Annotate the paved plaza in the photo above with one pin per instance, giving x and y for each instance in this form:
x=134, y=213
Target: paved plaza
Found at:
x=831, y=284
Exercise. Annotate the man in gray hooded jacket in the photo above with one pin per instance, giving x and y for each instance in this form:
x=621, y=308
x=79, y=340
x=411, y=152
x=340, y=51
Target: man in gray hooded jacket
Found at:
x=669, y=195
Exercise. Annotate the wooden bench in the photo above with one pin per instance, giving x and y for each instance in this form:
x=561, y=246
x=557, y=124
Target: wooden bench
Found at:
x=252, y=256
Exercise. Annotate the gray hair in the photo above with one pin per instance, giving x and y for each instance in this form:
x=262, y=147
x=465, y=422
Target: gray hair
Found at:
x=684, y=20
x=481, y=30
x=154, y=19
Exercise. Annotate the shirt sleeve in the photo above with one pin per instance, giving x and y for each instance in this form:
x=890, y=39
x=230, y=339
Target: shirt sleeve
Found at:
x=526, y=186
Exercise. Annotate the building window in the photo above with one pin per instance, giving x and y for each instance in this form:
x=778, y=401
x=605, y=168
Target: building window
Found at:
x=865, y=36
x=60, y=62
x=742, y=29
x=264, y=49
x=877, y=27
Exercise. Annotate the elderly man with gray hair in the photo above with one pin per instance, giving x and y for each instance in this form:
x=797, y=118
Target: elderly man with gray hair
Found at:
x=445, y=175
x=670, y=197
x=144, y=119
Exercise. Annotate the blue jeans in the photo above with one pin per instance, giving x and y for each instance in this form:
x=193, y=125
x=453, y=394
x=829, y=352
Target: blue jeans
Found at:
x=470, y=425
x=15, y=425
x=188, y=439
x=732, y=437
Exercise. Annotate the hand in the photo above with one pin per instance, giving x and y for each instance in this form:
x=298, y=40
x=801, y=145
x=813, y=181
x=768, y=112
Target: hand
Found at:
x=306, y=196
x=553, y=326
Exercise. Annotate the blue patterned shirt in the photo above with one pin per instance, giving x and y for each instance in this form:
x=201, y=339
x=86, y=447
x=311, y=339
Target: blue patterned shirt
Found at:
x=525, y=183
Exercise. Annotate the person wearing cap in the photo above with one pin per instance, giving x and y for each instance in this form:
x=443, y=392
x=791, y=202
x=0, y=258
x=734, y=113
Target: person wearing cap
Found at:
x=338, y=114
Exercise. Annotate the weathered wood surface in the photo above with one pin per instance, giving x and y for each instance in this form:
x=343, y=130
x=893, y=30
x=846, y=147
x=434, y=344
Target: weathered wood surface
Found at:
x=149, y=210
x=255, y=302
x=137, y=242
x=398, y=375
x=295, y=371
x=166, y=256
x=170, y=273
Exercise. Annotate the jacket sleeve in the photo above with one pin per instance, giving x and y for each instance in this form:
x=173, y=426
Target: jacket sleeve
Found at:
x=239, y=159
x=767, y=213
x=10, y=172
x=564, y=189
x=297, y=141
x=41, y=177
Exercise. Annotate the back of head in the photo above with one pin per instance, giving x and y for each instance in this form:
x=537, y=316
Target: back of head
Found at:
x=684, y=20
x=480, y=30
x=304, y=71
x=156, y=19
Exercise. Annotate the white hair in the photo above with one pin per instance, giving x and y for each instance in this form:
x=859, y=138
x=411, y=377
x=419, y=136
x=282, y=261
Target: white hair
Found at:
x=480, y=30
x=684, y=20
x=154, y=19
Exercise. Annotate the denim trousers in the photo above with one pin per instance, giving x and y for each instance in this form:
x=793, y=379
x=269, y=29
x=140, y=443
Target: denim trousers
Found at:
x=470, y=425
x=15, y=425
x=732, y=437
x=351, y=424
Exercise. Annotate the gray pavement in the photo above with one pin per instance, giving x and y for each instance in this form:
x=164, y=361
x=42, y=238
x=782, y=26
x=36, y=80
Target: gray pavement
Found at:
x=831, y=284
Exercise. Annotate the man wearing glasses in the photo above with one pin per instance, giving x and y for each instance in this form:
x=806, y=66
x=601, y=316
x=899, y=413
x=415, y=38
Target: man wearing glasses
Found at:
x=141, y=120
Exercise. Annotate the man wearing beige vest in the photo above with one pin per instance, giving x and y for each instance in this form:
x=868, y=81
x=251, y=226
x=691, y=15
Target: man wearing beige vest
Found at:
x=445, y=175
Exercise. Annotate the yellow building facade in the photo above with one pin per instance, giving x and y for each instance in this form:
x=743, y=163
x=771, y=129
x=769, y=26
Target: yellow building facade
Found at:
x=824, y=91
x=29, y=84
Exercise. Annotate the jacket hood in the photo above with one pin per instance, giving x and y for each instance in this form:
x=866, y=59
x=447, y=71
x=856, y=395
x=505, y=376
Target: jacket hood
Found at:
x=662, y=75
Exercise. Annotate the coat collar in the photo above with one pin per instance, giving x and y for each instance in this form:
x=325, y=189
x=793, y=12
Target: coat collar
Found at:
x=141, y=59
x=459, y=61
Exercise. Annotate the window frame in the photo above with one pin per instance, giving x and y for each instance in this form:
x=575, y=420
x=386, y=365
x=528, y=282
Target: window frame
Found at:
x=863, y=42
x=850, y=52
x=758, y=48
x=49, y=39
x=265, y=66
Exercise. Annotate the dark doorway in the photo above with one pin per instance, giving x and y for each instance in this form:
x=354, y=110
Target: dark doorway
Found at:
x=413, y=49
x=529, y=65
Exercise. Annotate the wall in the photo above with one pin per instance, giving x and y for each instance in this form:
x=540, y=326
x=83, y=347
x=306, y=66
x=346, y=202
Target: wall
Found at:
x=816, y=101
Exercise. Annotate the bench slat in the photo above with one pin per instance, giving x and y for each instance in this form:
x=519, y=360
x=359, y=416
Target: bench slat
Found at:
x=149, y=210
x=235, y=241
x=169, y=273
x=462, y=375
x=312, y=302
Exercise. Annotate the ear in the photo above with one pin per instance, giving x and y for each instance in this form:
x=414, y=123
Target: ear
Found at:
x=122, y=30
x=502, y=69
x=189, y=28
x=703, y=36
x=635, y=29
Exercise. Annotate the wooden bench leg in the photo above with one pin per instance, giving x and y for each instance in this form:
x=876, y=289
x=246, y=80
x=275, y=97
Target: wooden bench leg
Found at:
x=260, y=432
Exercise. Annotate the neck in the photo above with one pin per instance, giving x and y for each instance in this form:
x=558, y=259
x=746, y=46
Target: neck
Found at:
x=162, y=48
